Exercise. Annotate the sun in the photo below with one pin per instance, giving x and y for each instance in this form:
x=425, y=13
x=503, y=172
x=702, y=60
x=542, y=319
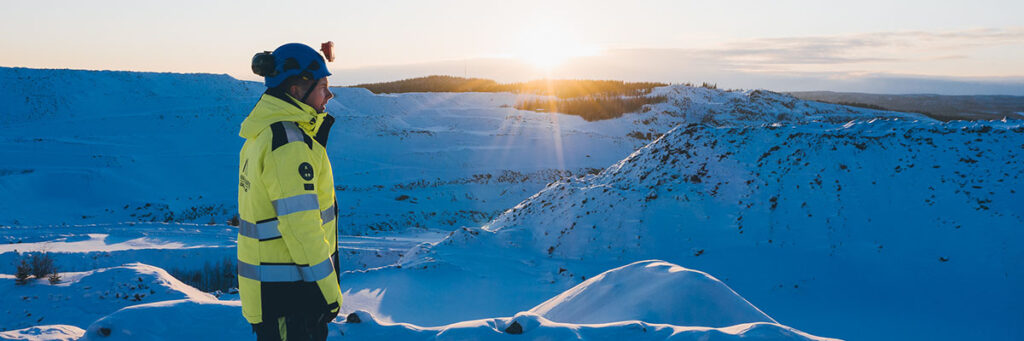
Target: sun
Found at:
x=548, y=47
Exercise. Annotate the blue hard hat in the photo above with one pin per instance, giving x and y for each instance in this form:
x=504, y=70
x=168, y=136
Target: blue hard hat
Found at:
x=292, y=59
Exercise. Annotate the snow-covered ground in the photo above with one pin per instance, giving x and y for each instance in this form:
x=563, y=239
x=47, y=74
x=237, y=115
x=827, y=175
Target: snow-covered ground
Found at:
x=906, y=227
x=142, y=302
x=164, y=147
x=462, y=215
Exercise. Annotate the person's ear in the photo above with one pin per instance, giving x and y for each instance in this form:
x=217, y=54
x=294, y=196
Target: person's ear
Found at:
x=294, y=91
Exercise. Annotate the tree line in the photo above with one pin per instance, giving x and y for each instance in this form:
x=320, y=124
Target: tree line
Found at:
x=561, y=88
x=591, y=99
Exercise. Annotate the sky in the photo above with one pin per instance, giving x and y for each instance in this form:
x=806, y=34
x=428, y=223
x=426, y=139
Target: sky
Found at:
x=768, y=44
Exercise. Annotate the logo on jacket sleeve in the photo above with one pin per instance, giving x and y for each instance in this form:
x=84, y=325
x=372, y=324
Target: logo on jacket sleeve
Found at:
x=242, y=180
x=306, y=171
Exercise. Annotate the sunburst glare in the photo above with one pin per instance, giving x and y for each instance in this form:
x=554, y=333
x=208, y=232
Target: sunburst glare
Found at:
x=548, y=46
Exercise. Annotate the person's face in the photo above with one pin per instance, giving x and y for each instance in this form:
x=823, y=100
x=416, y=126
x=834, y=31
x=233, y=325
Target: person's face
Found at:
x=320, y=95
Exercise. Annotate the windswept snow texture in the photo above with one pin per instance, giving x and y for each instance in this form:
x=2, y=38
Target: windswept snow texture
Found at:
x=653, y=292
x=910, y=228
x=101, y=147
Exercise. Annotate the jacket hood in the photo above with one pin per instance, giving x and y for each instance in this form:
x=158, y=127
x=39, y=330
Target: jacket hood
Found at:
x=272, y=109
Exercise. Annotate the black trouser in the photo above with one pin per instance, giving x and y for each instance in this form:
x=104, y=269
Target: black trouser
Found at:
x=291, y=328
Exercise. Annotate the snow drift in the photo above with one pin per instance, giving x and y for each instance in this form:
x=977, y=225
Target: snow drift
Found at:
x=83, y=297
x=187, y=319
x=539, y=328
x=733, y=318
x=653, y=292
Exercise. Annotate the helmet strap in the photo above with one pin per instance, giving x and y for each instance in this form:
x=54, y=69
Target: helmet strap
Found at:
x=309, y=92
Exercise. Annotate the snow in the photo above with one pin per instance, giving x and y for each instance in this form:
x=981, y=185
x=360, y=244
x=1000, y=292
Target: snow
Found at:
x=459, y=211
x=654, y=292
x=460, y=158
x=186, y=319
x=58, y=332
x=83, y=297
x=536, y=327
x=868, y=223
x=206, y=318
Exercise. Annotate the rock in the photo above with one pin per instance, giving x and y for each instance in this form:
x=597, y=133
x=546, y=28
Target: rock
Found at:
x=514, y=328
x=352, y=318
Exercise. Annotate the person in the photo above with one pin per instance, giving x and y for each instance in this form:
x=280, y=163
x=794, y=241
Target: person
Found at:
x=287, y=234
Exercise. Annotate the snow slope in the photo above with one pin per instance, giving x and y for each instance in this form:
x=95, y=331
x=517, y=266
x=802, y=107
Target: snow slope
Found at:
x=101, y=147
x=872, y=223
x=87, y=147
x=83, y=297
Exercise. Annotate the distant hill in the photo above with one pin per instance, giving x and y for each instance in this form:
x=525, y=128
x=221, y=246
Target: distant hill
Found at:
x=940, y=107
x=593, y=100
x=562, y=88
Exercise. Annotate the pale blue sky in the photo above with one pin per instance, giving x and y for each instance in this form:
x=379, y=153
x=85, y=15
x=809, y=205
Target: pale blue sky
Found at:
x=981, y=38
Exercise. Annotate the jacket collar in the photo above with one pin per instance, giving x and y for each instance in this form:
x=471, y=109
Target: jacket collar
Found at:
x=275, y=106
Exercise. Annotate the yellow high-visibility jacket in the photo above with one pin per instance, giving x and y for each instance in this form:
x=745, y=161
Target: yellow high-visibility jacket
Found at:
x=287, y=235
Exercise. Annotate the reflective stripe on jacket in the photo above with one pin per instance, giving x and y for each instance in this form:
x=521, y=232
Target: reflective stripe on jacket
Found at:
x=287, y=233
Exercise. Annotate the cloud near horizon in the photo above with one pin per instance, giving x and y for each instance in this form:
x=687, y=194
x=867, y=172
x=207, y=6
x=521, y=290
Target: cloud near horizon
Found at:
x=881, y=62
x=884, y=47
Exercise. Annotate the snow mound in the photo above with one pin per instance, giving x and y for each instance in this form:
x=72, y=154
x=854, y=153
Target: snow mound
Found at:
x=652, y=291
x=535, y=327
x=83, y=297
x=174, y=320
x=59, y=332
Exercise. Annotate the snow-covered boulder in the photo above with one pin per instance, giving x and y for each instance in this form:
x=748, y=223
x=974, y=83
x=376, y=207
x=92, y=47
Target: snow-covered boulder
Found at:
x=187, y=319
x=655, y=292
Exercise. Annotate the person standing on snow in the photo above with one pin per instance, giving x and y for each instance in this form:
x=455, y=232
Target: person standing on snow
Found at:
x=287, y=233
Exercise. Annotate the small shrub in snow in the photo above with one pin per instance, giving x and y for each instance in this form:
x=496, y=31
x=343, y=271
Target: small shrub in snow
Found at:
x=42, y=265
x=54, y=277
x=22, y=272
x=213, y=276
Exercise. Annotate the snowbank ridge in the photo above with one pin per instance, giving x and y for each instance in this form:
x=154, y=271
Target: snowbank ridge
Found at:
x=655, y=292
